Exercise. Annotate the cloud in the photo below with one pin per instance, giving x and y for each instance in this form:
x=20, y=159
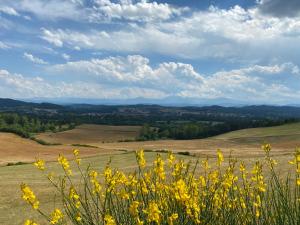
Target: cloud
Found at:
x=96, y=11
x=133, y=76
x=3, y=45
x=9, y=11
x=133, y=71
x=5, y=23
x=66, y=56
x=52, y=38
x=256, y=83
x=34, y=59
x=16, y=85
x=280, y=8
x=19, y=86
x=134, y=11
x=50, y=9
x=231, y=34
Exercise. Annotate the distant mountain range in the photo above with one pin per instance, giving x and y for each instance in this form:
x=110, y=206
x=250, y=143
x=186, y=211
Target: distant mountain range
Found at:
x=169, y=101
x=99, y=107
x=11, y=103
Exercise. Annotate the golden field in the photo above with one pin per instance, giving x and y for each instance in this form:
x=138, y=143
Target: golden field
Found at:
x=245, y=144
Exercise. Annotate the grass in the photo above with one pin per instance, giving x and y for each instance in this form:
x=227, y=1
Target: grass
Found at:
x=258, y=197
x=12, y=209
x=292, y=129
x=42, y=142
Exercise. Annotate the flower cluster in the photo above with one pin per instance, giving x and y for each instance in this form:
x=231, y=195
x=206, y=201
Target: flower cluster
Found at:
x=29, y=196
x=65, y=164
x=171, y=191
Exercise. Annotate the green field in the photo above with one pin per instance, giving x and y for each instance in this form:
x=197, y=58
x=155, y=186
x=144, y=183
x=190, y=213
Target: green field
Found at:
x=292, y=129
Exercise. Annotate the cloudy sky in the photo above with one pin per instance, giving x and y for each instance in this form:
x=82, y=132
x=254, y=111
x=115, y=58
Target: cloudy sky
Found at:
x=240, y=50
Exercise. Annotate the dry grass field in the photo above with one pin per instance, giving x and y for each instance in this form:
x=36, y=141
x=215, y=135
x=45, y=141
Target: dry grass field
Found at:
x=14, y=149
x=92, y=134
x=245, y=144
x=13, y=210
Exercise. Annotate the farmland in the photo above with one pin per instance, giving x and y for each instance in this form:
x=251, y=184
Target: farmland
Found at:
x=13, y=149
x=92, y=134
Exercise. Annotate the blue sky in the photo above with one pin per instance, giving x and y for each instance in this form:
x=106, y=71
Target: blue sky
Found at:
x=240, y=50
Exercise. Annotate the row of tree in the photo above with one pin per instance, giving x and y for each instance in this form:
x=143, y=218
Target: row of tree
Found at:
x=25, y=126
x=193, y=130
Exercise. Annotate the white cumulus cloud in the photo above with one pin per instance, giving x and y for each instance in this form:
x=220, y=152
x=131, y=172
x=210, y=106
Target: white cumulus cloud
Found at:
x=134, y=11
x=233, y=34
x=34, y=59
x=9, y=11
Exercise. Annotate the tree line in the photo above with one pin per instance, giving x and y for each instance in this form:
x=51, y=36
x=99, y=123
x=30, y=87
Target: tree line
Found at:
x=194, y=130
x=25, y=126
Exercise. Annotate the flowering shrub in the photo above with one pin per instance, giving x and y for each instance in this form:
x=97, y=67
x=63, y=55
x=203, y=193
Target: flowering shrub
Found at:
x=172, y=191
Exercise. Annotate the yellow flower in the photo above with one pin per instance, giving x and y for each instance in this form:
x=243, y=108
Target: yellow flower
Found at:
x=243, y=204
x=159, y=167
x=40, y=164
x=266, y=147
x=29, y=196
x=109, y=220
x=141, y=158
x=73, y=194
x=56, y=216
x=220, y=157
x=74, y=197
x=96, y=185
x=181, y=192
x=133, y=208
x=298, y=181
x=139, y=222
x=171, y=159
x=257, y=205
x=172, y=218
x=78, y=218
x=65, y=164
x=76, y=154
x=205, y=165
x=153, y=213
x=242, y=167
x=30, y=222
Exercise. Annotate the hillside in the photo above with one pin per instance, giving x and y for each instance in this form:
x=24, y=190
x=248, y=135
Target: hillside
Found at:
x=92, y=134
x=283, y=136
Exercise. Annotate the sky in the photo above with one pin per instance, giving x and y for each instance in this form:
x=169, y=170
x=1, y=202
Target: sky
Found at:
x=238, y=50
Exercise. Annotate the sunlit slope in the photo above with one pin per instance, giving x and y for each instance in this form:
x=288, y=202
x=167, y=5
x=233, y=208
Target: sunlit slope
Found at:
x=14, y=149
x=284, y=135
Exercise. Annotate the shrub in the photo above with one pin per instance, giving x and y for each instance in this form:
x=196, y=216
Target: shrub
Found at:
x=84, y=145
x=174, y=192
x=42, y=142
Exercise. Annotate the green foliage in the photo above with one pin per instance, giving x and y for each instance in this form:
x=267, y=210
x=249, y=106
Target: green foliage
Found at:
x=185, y=130
x=25, y=126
